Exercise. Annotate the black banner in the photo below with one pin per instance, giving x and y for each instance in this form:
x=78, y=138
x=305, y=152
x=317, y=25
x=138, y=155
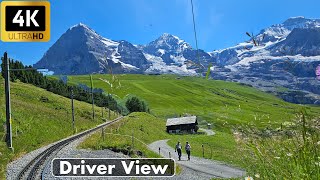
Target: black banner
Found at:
x=35, y=21
x=83, y=167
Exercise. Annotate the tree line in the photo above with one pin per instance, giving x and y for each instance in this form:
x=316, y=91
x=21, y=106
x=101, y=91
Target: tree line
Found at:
x=32, y=76
x=80, y=92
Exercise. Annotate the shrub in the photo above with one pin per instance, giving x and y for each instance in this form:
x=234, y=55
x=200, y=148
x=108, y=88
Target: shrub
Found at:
x=134, y=104
x=44, y=99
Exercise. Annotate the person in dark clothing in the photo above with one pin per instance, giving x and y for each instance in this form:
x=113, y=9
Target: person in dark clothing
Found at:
x=188, y=150
x=178, y=149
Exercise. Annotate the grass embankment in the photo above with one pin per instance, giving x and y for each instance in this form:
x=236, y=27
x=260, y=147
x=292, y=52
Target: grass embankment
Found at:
x=226, y=105
x=40, y=118
x=144, y=127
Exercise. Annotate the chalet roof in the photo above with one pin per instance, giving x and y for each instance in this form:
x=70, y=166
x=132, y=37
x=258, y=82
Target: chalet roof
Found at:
x=181, y=120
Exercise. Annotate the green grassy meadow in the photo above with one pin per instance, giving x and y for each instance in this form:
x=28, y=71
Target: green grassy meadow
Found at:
x=39, y=118
x=218, y=102
x=226, y=105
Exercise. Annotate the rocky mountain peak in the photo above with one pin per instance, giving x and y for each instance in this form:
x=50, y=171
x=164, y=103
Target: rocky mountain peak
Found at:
x=300, y=22
x=167, y=39
x=281, y=31
x=295, y=20
x=79, y=25
x=167, y=43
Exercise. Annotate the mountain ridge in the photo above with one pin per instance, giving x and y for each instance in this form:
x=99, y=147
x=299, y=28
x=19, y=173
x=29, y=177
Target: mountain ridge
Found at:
x=268, y=64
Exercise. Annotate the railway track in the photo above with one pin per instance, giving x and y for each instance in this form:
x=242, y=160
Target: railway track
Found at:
x=33, y=170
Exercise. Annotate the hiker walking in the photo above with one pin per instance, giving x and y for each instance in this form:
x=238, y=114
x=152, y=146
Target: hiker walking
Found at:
x=178, y=149
x=188, y=149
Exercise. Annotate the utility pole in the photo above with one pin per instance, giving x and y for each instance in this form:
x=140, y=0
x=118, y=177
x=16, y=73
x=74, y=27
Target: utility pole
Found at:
x=72, y=106
x=7, y=70
x=8, y=103
x=92, y=97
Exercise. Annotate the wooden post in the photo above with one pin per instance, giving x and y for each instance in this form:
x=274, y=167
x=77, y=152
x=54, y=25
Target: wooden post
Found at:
x=159, y=151
x=132, y=140
x=92, y=98
x=72, y=109
x=169, y=155
x=102, y=112
x=202, y=151
x=109, y=113
x=103, y=134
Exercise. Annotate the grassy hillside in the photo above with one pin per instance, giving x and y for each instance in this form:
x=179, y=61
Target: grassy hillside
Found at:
x=224, y=104
x=218, y=102
x=144, y=127
x=39, y=118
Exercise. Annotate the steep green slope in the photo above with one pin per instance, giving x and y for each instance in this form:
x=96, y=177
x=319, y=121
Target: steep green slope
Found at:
x=218, y=102
x=39, y=118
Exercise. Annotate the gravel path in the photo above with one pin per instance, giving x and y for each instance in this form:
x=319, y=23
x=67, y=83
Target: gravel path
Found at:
x=213, y=168
x=209, y=132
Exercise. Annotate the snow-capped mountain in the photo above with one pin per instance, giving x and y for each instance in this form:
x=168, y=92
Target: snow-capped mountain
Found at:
x=283, y=55
x=80, y=50
x=278, y=31
x=300, y=41
x=166, y=43
x=170, y=54
x=265, y=40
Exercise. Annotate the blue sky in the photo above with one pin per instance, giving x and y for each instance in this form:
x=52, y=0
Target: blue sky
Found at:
x=220, y=23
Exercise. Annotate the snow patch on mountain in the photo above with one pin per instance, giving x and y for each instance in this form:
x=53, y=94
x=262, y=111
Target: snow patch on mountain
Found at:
x=109, y=42
x=128, y=66
x=159, y=66
x=162, y=51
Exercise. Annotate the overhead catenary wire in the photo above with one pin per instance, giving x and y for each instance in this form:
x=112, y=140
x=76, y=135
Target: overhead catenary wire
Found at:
x=195, y=32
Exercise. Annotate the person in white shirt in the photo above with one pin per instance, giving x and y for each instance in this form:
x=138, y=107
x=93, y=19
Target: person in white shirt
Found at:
x=188, y=150
x=178, y=149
